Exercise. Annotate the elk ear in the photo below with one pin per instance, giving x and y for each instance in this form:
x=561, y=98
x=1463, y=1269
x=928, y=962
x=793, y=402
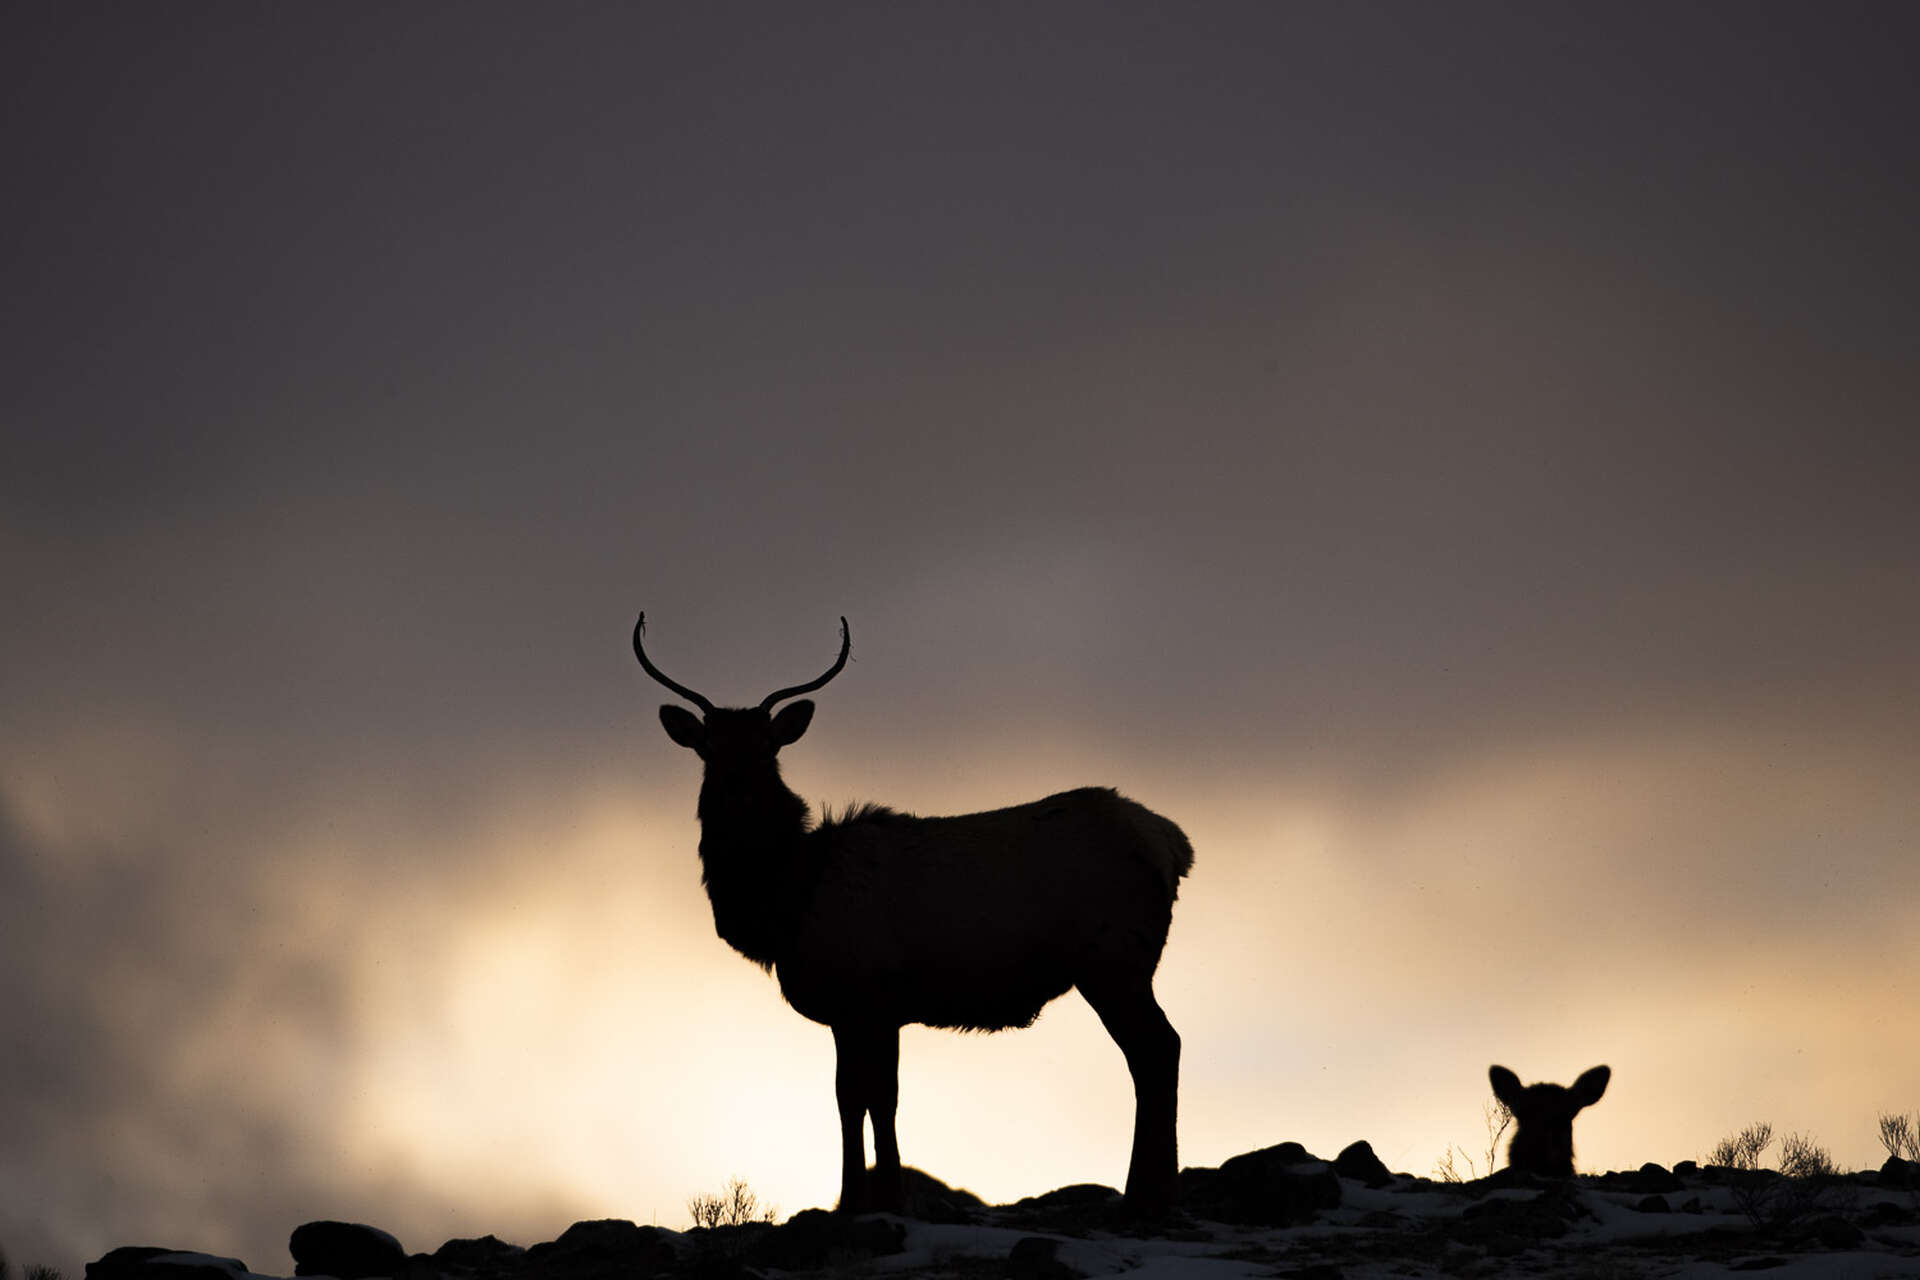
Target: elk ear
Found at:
x=684, y=727
x=1587, y=1089
x=791, y=721
x=1506, y=1085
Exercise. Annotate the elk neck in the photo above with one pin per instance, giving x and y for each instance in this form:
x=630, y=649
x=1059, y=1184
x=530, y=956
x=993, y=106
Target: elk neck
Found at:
x=754, y=859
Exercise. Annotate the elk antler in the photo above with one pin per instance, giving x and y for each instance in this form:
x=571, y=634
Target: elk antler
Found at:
x=640, y=652
x=846, y=645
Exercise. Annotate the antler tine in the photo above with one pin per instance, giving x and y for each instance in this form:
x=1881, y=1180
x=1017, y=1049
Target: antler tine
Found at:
x=640, y=652
x=846, y=646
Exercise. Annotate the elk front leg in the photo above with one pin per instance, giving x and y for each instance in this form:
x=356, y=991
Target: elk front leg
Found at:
x=849, y=1091
x=867, y=1081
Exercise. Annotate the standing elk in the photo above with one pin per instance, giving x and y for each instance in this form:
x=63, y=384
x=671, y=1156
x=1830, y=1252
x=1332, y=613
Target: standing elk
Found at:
x=878, y=919
x=1543, y=1118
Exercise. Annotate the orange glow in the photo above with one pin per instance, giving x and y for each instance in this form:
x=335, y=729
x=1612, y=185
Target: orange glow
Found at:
x=553, y=1031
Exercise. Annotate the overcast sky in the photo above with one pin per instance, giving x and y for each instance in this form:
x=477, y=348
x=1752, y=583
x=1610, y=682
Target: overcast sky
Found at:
x=1457, y=461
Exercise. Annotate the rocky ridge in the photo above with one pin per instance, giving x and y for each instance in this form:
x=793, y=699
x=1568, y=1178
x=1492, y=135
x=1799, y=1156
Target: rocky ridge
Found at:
x=1276, y=1211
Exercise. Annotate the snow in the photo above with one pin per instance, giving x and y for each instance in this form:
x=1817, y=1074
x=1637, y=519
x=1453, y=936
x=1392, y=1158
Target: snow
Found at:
x=1611, y=1236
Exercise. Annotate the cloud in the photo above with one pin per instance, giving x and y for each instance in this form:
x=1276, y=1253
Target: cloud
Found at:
x=188, y=1037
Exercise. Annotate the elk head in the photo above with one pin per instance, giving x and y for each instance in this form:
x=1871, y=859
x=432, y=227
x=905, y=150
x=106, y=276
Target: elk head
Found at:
x=1543, y=1115
x=731, y=739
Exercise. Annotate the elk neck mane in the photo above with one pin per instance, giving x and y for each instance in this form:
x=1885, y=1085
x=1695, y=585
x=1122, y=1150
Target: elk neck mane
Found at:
x=761, y=855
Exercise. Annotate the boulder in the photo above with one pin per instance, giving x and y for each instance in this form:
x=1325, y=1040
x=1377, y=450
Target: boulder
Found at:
x=815, y=1238
x=1076, y=1194
x=347, y=1250
x=1038, y=1258
x=1360, y=1163
x=1276, y=1186
x=127, y=1260
x=1648, y=1180
x=485, y=1255
x=931, y=1200
x=1072, y=1210
x=1544, y=1217
x=149, y=1262
x=1834, y=1231
x=599, y=1249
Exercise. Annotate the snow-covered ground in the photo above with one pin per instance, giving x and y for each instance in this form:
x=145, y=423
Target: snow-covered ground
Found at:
x=1417, y=1228
x=1697, y=1225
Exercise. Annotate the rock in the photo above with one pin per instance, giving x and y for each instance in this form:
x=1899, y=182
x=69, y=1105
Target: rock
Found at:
x=1543, y=1217
x=1506, y=1178
x=1685, y=1169
x=931, y=1200
x=126, y=1260
x=347, y=1250
x=1649, y=1179
x=1900, y=1173
x=1654, y=1204
x=1501, y=1244
x=1198, y=1185
x=487, y=1255
x=1037, y=1258
x=1834, y=1231
x=148, y=1262
x=1276, y=1186
x=1280, y=1155
x=1074, y=1210
x=1360, y=1163
x=602, y=1248
x=815, y=1238
x=1079, y=1193
x=1887, y=1214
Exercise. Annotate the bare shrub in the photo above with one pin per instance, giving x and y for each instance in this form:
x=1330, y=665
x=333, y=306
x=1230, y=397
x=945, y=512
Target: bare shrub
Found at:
x=1900, y=1135
x=1814, y=1184
x=1742, y=1150
x=736, y=1206
x=1807, y=1183
x=30, y=1271
x=1802, y=1157
x=1755, y=1188
x=1498, y=1117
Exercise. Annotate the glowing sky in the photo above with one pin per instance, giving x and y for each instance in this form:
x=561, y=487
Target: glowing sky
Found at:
x=1457, y=461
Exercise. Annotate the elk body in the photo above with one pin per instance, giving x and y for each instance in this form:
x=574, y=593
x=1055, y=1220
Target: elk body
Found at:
x=1543, y=1118
x=879, y=919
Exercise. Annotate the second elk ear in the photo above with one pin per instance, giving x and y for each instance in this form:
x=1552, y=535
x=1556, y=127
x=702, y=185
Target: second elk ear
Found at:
x=1591, y=1084
x=684, y=727
x=791, y=721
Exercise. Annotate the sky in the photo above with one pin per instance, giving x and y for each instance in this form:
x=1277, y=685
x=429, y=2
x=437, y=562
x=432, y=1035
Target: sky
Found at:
x=1458, y=462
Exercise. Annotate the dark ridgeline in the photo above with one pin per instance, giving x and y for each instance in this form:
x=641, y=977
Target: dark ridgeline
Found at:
x=1543, y=1118
x=879, y=919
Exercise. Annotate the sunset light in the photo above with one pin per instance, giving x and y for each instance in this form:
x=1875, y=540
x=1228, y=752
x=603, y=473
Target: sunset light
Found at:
x=1458, y=466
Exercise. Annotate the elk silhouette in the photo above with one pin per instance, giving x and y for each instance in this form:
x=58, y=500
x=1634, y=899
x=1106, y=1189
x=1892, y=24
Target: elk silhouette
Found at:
x=1543, y=1118
x=878, y=919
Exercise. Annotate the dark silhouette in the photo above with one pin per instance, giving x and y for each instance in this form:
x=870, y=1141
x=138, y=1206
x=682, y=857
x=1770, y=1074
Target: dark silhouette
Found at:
x=878, y=919
x=1543, y=1117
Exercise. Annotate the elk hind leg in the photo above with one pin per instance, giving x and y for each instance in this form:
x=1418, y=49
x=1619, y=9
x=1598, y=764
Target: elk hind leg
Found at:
x=1152, y=1047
